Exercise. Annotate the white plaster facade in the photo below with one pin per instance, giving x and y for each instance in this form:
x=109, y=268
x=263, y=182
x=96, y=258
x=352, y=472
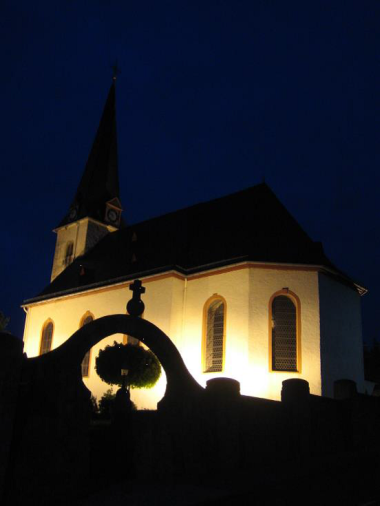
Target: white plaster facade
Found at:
x=329, y=325
x=341, y=334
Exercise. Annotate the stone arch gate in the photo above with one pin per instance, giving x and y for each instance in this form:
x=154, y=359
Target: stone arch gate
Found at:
x=68, y=357
x=50, y=441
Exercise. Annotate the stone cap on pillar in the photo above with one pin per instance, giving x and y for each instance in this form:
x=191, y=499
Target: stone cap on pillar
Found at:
x=295, y=390
x=344, y=389
x=223, y=387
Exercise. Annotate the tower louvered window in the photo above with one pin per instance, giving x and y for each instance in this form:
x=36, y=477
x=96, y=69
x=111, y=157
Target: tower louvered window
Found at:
x=215, y=336
x=284, y=334
x=69, y=253
x=85, y=366
x=47, y=338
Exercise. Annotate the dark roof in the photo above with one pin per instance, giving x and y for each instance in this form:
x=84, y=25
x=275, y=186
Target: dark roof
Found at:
x=251, y=225
x=100, y=180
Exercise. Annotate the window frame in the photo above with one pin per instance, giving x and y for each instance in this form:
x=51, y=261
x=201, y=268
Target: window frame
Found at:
x=295, y=299
x=44, y=326
x=206, y=307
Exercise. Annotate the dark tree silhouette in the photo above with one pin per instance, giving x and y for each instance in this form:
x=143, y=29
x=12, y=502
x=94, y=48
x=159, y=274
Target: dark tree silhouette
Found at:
x=372, y=363
x=3, y=321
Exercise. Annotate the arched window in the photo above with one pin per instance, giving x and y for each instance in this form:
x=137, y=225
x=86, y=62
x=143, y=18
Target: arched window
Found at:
x=87, y=318
x=284, y=332
x=46, y=337
x=69, y=253
x=214, y=323
x=130, y=339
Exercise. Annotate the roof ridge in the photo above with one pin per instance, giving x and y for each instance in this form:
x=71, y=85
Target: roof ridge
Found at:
x=199, y=204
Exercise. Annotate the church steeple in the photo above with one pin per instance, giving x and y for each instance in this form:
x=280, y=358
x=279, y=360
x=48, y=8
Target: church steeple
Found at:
x=96, y=209
x=99, y=185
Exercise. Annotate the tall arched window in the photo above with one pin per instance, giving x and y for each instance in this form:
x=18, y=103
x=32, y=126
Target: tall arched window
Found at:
x=284, y=324
x=46, y=337
x=130, y=339
x=87, y=318
x=214, y=324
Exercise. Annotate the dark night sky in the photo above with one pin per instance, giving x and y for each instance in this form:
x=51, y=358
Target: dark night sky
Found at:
x=213, y=96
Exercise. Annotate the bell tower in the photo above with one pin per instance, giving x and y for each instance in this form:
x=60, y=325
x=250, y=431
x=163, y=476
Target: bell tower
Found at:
x=96, y=208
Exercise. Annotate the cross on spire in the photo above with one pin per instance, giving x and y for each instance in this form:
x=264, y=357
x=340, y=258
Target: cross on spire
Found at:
x=115, y=71
x=100, y=180
x=135, y=306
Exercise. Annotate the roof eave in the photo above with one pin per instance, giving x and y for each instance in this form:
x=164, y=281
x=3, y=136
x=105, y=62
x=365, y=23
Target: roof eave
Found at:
x=187, y=272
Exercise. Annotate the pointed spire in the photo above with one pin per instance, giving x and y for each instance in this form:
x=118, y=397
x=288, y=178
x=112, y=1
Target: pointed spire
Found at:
x=100, y=180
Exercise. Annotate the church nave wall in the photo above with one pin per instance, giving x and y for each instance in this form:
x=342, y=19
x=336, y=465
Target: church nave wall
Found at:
x=177, y=306
x=341, y=334
x=264, y=283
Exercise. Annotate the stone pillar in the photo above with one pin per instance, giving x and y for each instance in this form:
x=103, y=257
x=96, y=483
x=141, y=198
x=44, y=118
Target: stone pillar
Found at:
x=11, y=357
x=344, y=389
x=123, y=454
x=295, y=391
x=223, y=423
x=223, y=388
x=295, y=397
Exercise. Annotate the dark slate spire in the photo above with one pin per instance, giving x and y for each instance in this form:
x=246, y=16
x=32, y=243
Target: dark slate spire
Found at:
x=100, y=180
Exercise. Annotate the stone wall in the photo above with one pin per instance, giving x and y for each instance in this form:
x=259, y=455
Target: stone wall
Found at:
x=11, y=359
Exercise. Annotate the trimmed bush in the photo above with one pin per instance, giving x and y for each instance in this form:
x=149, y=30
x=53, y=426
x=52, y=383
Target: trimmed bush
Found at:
x=105, y=403
x=144, y=369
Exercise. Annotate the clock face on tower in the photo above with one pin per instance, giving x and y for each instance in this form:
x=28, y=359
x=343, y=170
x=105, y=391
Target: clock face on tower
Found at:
x=73, y=213
x=113, y=212
x=113, y=216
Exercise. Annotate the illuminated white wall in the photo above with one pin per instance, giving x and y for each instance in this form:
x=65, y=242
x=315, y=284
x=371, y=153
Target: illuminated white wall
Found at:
x=176, y=307
x=233, y=286
x=341, y=335
x=247, y=293
x=263, y=284
x=67, y=234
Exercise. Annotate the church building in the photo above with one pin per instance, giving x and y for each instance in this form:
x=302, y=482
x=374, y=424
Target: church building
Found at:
x=236, y=283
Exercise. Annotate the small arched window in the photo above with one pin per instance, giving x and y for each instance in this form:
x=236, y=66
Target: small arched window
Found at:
x=130, y=339
x=284, y=339
x=69, y=253
x=85, y=366
x=214, y=334
x=46, y=337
